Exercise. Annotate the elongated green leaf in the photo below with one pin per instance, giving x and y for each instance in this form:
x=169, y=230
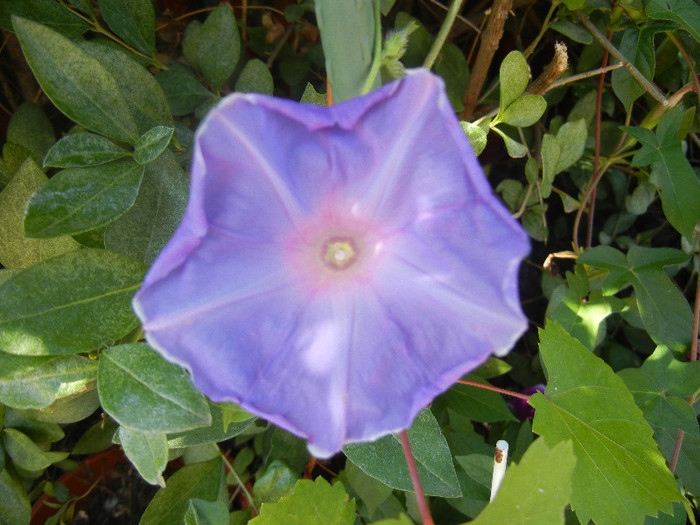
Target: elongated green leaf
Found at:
x=148, y=452
x=77, y=84
x=514, y=74
x=200, y=480
x=638, y=47
x=76, y=200
x=384, y=459
x=47, y=12
x=183, y=92
x=515, y=149
x=523, y=111
x=313, y=503
x=16, y=508
x=218, y=46
x=225, y=424
x=73, y=303
x=143, y=391
x=133, y=20
x=15, y=250
x=550, y=153
x=67, y=409
x=26, y=454
x=349, y=54
x=35, y=382
x=536, y=490
x=683, y=12
x=152, y=143
x=571, y=139
x=620, y=475
x=83, y=149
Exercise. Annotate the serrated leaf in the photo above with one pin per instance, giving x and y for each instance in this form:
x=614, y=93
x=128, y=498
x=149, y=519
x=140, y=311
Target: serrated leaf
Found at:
x=30, y=128
x=664, y=310
x=637, y=46
x=35, y=382
x=143, y=231
x=183, y=92
x=77, y=84
x=148, y=452
x=16, y=508
x=26, y=454
x=536, y=490
x=47, y=12
x=620, y=475
x=132, y=20
x=152, y=143
x=218, y=46
x=143, y=391
x=199, y=480
x=255, y=77
x=201, y=512
x=76, y=200
x=384, y=459
x=73, y=303
x=514, y=75
x=15, y=250
x=523, y=111
x=313, y=503
x=83, y=149
x=683, y=12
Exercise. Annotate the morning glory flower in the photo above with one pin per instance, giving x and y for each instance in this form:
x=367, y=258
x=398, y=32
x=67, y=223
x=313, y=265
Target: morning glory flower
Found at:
x=336, y=268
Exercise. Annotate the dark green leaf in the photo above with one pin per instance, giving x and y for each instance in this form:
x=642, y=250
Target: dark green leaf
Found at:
x=550, y=153
x=76, y=200
x=620, y=475
x=638, y=47
x=255, y=78
x=76, y=83
x=47, y=12
x=684, y=12
x=148, y=452
x=30, y=128
x=189, y=43
x=152, y=143
x=201, y=512
x=514, y=75
x=96, y=438
x=132, y=20
x=225, y=424
x=276, y=481
x=72, y=303
x=476, y=403
x=16, y=508
x=371, y=492
x=384, y=459
x=452, y=66
x=83, y=149
x=143, y=391
x=515, y=149
x=571, y=138
x=574, y=31
x=183, y=92
x=523, y=111
x=218, y=46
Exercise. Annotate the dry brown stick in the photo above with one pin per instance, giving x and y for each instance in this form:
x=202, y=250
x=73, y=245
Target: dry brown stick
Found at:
x=490, y=39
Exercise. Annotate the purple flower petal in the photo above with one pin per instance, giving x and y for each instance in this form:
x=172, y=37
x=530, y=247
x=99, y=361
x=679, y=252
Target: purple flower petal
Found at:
x=336, y=267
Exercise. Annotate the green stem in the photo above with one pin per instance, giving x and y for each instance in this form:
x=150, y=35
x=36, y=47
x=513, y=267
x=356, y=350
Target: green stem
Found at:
x=239, y=481
x=452, y=12
x=377, y=59
x=545, y=26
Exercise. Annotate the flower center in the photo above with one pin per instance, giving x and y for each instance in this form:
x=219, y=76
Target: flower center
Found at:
x=339, y=253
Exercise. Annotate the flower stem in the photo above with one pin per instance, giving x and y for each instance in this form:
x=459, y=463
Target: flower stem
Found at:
x=415, y=479
x=450, y=18
x=494, y=389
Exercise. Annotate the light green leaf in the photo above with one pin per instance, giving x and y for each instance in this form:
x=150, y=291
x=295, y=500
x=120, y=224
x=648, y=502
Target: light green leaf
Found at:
x=255, y=78
x=35, y=382
x=67, y=409
x=201, y=512
x=26, y=454
x=223, y=426
x=15, y=250
x=683, y=12
x=73, y=303
x=401, y=520
x=76, y=200
x=310, y=96
x=384, y=459
x=275, y=482
x=205, y=481
x=16, y=508
x=620, y=475
x=313, y=503
x=152, y=143
x=523, y=111
x=83, y=149
x=218, y=46
x=536, y=490
x=515, y=149
x=148, y=452
x=571, y=139
x=143, y=391
x=476, y=135
x=76, y=83
x=132, y=20
x=514, y=75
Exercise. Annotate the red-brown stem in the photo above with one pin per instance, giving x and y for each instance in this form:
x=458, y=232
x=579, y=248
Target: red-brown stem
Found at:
x=676, y=451
x=415, y=479
x=494, y=388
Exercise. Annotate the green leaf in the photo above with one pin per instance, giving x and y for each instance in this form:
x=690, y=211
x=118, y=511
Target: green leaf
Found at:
x=620, y=475
x=369, y=490
x=550, y=153
x=67, y=409
x=536, y=490
x=515, y=149
x=148, y=452
x=152, y=143
x=474, y=472
x=476, y=403
x=77, y=84
x=571, y=139
x=310, y=96
x=255, y=78
x=574, y=31
x=96, y=438
x=183, y=92
x=76, y=200
x=476, y=135
x=224, y=425
x=47, y=12
x=275, y=482
x=143, y=231
x=73, y=303
x=384, y=459
x=688, y=466
x=16, y=508
x=349, y=54
x=199, y=480
x=132, y=20
x=35, y=382
x=189, y=43
x=683, y=12
x=30, y=129
x=664, y=310
x=218, y=46
x=523, y=111
x=637, y=46
x=143, y=391
x=140, y=90
x=452, y=66
x=15, y=250
x=313, y=503
x=83, y=149
x=514, y=75
x=201, y=512
x=26, y=454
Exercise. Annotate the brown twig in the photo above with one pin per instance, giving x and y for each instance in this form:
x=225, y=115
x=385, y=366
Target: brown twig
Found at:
x=553, y=71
